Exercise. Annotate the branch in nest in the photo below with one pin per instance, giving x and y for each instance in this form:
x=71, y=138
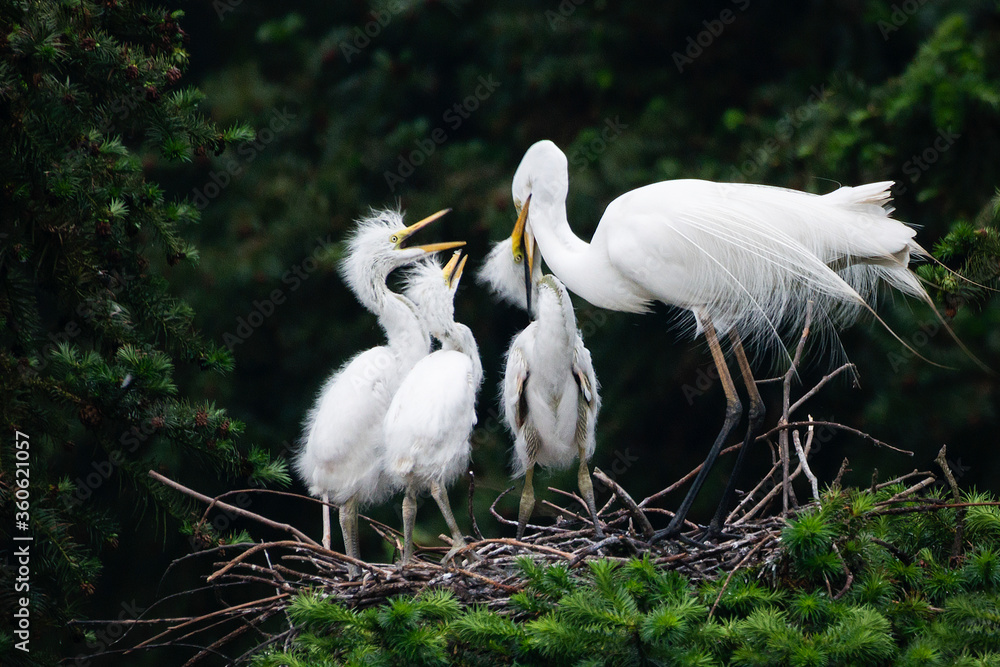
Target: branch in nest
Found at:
x=233, y=509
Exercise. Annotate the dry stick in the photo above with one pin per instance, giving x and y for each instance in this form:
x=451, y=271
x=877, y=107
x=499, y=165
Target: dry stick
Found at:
x=932, y=507
x=915, y=473
x=235, y=510
x=288, y=543
x=913, y=489
x=813, y=422
x=524, y=545
x=812, y=392
x=840, y=473
x=770, y=494
x=565, y=512
x=749, y=496
x=786, y=412
x=813, y=482
x=942, y=461
x=847, y=572
x=204, y=617
x=725, y=584
x=589, y=549
x=641, y=520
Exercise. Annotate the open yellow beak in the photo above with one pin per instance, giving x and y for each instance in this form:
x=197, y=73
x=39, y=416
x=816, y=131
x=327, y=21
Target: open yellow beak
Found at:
x=406, y=233
x=453, y=269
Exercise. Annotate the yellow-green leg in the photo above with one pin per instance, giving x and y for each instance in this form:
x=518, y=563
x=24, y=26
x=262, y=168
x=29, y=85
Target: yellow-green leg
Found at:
x=457, y=538
x=527, y=500
x=587, y=491
x=349, y=529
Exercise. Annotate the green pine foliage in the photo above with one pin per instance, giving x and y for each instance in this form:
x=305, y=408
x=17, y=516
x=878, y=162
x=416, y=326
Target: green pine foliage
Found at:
x=91, y=338
x=843, y=588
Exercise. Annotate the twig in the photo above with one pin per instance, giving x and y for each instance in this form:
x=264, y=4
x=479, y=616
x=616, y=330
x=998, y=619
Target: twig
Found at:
x=786, y=411
x=813, y=482
x=317, y=548
x=942, y=461
x=840, y=473
x=641, y=520
x=915, y=473
x=233, y=509
x=913, y=489
x=784, y=427
x=847, y=572
x=819, y=385
x=524, y=545
x=593, y=548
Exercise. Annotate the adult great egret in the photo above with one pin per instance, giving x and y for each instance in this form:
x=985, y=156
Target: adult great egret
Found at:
x=744, y=259
x=549, y=389
x=428, y=425
x=341, y=457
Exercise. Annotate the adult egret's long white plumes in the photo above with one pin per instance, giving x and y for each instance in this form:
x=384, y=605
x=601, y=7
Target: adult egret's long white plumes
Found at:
x=341, y=458
x=744, y=259
x=429, y=423
x=549, y=390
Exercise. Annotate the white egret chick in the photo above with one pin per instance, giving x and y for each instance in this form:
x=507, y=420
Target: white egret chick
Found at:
x=549, y=390
x=429, y=423
x=342, y=455
x=744, y=259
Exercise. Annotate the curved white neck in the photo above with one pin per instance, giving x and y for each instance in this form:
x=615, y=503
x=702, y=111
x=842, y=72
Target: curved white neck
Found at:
x=564, y=251
x=459, y=337
x=405, y=331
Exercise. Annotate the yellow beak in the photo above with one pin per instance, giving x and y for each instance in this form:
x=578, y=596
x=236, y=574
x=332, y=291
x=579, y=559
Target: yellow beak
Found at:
x=517, y=237
x=406, y=233
x=523, y=244
x=453, y=269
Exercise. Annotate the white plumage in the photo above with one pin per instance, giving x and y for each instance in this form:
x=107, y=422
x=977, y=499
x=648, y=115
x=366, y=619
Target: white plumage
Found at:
x=549, y=391
x=341, y=457
x=745, y=259
x=429, y=423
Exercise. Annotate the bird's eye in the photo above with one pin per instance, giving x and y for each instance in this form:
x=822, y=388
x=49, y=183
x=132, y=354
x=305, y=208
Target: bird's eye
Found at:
x=518, y=257
x=395, y=238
